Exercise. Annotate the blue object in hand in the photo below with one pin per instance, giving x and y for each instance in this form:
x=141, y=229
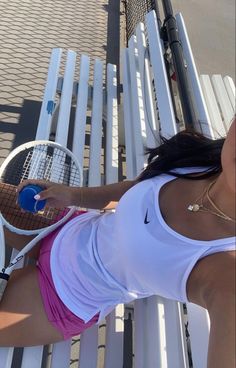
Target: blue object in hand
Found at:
x=26, y=198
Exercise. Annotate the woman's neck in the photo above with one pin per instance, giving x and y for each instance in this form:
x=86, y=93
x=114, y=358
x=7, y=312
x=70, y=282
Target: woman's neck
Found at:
x=222, y=195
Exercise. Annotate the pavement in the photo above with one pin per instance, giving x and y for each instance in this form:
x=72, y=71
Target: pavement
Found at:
x=28, y=32
x=211, y=29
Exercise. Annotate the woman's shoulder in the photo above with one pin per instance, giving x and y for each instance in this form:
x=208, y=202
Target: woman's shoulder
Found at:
x=172, y=174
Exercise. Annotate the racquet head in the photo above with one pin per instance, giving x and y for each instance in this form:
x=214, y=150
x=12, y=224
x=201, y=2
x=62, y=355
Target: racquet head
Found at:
x=43, y=160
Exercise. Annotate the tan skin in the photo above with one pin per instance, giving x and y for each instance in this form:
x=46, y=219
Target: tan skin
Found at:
x=211, y=283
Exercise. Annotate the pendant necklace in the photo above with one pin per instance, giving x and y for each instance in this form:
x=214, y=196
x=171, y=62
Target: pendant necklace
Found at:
x=199, y=206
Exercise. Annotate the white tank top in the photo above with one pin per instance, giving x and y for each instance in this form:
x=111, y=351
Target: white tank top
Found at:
x=101, y=260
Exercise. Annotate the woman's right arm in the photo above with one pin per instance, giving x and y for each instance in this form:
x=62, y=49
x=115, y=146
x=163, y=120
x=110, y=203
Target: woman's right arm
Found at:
x=102, y=198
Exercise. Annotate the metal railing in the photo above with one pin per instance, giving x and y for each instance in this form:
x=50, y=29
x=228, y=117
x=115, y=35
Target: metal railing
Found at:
x=135, y=13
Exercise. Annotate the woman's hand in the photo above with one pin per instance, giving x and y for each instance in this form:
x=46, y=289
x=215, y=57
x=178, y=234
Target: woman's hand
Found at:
x=56, y=195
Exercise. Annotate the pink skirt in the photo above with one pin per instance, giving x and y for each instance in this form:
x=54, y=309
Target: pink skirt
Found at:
x=57, y=313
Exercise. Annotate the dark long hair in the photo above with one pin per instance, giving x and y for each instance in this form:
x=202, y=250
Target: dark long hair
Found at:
x=185, y=149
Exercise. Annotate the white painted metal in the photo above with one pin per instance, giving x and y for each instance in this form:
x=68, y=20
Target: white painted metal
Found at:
x=65, y=101
x=114, y=338
x=139, y=129
x=81, y=110
x=32, y=357
x=115, y=320
x=131, y=169
x=61, y=354
x=199, y=327
x=139, y=337
x=176, y=347
x=223, y=100
x=45, y=117
x=150, y=337
x=165, y=106
x=96, y=126
x=88, y=348
x=111, y=158
x=230, y=87
x=2, y=245
x=212, y=106
x=146, y=85
x=6, y=355
x=200, y=105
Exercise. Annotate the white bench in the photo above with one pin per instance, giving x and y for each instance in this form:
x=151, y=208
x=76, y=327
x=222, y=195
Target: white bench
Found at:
x=159, y=324
x=55, y=118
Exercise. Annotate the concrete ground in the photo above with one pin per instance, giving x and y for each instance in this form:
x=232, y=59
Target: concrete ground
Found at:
x=211, y=29
x=28, y=32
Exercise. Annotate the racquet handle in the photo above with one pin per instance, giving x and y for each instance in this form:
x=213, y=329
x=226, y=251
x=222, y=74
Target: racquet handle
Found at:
x=3, y=283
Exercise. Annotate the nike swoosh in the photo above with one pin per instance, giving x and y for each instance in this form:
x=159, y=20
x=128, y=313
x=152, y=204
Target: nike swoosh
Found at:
x=146, y=218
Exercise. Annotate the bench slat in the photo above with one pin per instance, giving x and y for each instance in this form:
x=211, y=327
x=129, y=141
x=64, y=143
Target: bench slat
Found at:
x=6, y=355
x=223, y=99
x=32, y=357
x=198, y=98
x=81, y=110
x=230, y=87
x=165, y=105
x=146, y=85
x=66, y=98
x=150, y=338
x=45, y=117
x=114, y=338
x=159, y=339
x=111, y=127
x=131, y=169
x=137, y=103
x=199, y=327
x=212, y=107
x=2, y=246
x=115, y=320
x=61, y=354
x=89, y=338
x=175, y=335
x=88, y=348
x=96, y=126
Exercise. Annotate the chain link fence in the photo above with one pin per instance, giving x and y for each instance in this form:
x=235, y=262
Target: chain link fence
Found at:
x=135, y=13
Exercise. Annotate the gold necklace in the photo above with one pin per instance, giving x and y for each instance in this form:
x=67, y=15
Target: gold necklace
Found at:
x=195, y=207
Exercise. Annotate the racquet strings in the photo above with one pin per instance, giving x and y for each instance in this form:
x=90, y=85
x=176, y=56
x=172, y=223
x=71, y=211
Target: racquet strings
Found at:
x=43, y=161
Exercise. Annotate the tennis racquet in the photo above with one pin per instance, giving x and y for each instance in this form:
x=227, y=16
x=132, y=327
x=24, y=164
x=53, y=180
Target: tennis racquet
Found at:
x=44, y=160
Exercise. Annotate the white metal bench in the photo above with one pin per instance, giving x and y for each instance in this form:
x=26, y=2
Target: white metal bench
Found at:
x=159, y=324
x=85, y=109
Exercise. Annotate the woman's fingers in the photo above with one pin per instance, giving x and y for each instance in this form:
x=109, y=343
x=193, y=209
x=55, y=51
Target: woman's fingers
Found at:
x=42, y=183
x=56, y=195
x=44, y=195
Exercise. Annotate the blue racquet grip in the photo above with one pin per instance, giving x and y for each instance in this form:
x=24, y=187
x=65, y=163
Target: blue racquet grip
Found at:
x=26, y=198
x=3, y=283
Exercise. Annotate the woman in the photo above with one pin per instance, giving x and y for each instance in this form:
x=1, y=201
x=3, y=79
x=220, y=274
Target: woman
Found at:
x=172, y=234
